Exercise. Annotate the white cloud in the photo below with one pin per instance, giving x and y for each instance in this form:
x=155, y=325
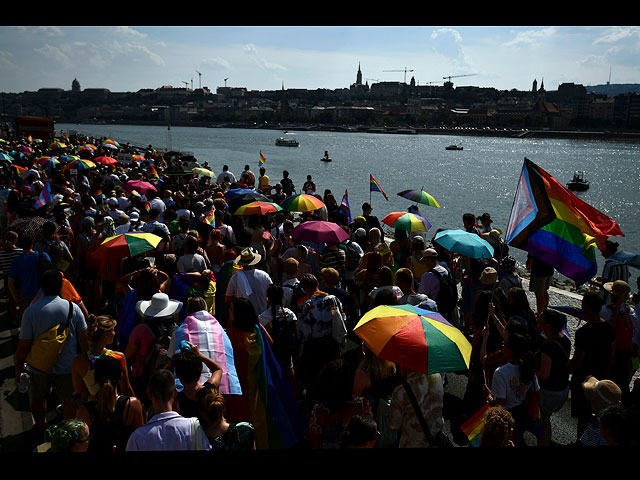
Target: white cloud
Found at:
x=532, y=38
x=618, y=34
x=262, y=63
x=53, y=54
x=216, y=62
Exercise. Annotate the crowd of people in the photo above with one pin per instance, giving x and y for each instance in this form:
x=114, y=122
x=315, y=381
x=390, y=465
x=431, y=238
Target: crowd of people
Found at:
x=167, y=347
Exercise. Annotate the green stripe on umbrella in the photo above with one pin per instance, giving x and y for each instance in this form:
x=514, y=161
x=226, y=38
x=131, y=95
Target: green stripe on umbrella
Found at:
x=407, y=221
x=302, y=203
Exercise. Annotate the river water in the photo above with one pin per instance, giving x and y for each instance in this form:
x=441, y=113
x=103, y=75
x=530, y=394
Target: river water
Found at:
x=480, y=178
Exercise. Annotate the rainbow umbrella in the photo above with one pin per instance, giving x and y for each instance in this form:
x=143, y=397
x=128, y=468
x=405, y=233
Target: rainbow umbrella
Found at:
x=57, y=144
x=110, y=142
x=126, y=245
x=258, y=208
x=302, y=203
x=319, y=231
x=4, y=156
x=79, y=164
x=420, y=196
x=414, y=338
x=105, y=160
x=68, y=158
x=407, y=221
x=48, y=162
x=137, y=158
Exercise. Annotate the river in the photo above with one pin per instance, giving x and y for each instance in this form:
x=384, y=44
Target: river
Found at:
x=480, y=178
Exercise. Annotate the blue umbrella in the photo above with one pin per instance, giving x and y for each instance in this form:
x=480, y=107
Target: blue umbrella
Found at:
x=464, y=243
x=234, y=192
x=626, y=258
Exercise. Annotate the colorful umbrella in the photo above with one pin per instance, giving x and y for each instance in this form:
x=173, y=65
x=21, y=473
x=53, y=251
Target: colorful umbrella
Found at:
x=79, y=164
x=302, y=203
x=126, y=245
x=137, y=158
x=25, y=149
x=234, y=192
x=407, y=221
x=464, y=243
x=319, y=231
x=419, y=196
x=110, y=142
x=4, y=156
x=57, y=144
x=239, y=200
x=204, y=172
x=105, y=160
x=139, y=186
x=414, y=338
x=30, y=225
x=68, y=158
x=258, y=208
x=48, y=162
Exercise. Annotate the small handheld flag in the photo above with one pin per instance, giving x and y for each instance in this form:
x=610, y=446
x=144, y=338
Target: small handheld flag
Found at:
x=344, y=207
x=262, y=159
x=45, y=196
x=472, y=428
x=374, y=186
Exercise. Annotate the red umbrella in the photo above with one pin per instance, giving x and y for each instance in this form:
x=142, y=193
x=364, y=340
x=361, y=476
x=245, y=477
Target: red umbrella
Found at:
x=105, y=160
x=319, y=231
x=139, y=186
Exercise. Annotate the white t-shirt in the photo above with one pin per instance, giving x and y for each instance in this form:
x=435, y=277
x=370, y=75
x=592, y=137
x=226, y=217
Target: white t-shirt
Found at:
x=255, y=288
x=507, y=384
x=191, y=262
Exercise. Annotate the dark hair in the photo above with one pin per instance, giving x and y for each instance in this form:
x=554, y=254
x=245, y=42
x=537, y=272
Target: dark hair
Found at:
x=162, y=385
x=188, y=366
x=335, y=384
x=469, y=218
x=107, y=373
x=592, y=301
x=557, y=320
x=519, y=345
x=360, y=430
x=498, y=427
x=384, y=297
x=309, y=280
x=615, y=419
x=25, y=241
x=51, y=282
x=244, y=315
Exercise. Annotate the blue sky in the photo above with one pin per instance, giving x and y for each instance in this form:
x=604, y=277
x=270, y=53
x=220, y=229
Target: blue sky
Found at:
x=126, y=59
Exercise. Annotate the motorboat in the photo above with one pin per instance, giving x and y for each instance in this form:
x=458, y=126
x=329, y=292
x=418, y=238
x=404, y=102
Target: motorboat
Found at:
x=453, y=147
x=578, y=182
x=287, y=140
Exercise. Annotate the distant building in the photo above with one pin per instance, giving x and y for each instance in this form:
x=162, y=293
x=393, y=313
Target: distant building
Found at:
x=75, y=85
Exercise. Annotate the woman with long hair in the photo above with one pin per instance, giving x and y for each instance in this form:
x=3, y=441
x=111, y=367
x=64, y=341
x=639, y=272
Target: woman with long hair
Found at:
x=101, y=332
x=513, y=381
x=113, y=417
x=222, y=434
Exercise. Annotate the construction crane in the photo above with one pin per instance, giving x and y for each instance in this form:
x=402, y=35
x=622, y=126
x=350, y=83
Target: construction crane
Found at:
x=186, y=84
x=456, y=76
x=372, y=79
x=199, y=79
x=405, y=72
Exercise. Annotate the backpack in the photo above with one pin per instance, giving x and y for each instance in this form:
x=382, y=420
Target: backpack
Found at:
x=296, y=297
x=47, y=347
x=624, y=328
x=448, y=294
x=283, y=336
x=353, y=256
x=157, y=355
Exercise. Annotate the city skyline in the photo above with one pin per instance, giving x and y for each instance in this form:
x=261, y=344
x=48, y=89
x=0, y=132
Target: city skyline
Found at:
x=127, y=59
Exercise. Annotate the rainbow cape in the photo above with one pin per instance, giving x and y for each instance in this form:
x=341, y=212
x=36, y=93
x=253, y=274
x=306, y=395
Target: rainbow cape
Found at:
x=262, y=159
x=374, y=186
x=278, y=421
x=472, y=428
x=202, y=329
x=555, y=226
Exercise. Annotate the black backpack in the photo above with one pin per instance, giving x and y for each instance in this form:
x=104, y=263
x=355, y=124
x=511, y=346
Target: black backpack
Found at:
x=298, y=294
x=158, y=353
x=353, y=256
x=283, y=336
x=448, y=294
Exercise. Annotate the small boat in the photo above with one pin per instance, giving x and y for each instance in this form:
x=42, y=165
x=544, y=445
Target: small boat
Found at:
x=288, y=140
x=326, y=157
x=578, y=182
x=453, y=147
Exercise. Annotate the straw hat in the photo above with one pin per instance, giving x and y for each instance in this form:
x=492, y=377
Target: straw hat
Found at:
x=248, y=257
x=493, y=237
x=619, y=288
x=488, y=276
x=601, y=393
x=159, y=306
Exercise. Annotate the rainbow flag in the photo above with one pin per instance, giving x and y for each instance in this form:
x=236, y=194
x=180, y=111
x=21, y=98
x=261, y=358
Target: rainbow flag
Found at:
x=202, y=329
x=374, y=186
x=278, y=421
x=152, y=172
x=210, y=218
x=345, y=209
x=555, y=226
x=473, y=427
x=45, y=196
x=262, y=159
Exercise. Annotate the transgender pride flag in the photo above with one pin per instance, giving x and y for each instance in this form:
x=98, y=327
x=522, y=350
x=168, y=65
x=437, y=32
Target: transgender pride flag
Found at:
x=202, y=329
x=45, y=196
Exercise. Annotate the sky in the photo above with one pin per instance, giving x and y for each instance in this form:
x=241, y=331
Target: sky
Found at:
x=126, y=59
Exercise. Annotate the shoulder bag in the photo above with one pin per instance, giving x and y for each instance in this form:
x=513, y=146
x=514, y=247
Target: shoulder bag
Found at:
x=441, y=439
x=47, y=347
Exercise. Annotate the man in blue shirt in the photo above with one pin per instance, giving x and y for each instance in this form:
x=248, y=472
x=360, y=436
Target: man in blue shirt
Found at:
x=24, y=283
x=167, y=430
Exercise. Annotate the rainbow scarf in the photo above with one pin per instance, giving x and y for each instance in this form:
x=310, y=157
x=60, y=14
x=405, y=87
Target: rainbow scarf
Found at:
x=374, y=186
x=201, y=328
x=277, y=419
x=555, y=226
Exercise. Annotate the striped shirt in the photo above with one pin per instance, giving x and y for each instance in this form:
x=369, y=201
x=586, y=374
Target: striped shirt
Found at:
x=6, y=257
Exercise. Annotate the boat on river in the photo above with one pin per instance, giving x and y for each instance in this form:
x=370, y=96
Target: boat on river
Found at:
x=453, y=147
x=326, y=157
x=287, y=140
x=578, y=183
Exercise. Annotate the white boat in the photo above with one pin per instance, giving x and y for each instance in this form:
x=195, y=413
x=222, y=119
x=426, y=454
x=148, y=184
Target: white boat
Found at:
x=287, y=140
